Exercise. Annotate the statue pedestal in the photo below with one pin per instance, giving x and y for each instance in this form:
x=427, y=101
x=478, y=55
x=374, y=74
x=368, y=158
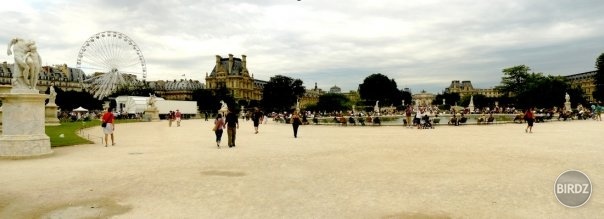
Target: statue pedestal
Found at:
x=3, y=89
x=51, y=118
x=0, y=120
x=23, y=134
x=152, y=114
x=567, y=106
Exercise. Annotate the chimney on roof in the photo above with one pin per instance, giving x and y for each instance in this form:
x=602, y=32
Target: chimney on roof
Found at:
x=244, y=62
x=230, y=63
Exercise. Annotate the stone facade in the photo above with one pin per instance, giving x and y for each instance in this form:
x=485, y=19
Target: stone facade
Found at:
x=69, y=79
x=311, y=97
x=465, y=88
x=423, y=99
x=66, y=78
x=176, y=90
x=587, y=82
x=233, y=74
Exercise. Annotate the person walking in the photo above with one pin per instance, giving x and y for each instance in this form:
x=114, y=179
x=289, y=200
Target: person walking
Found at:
x=529, y=117
x=178, y=116
x=218, y=128
x=108, y=120
x=170, y=118
x=408, y=113
x=232, y=124
x=295, y=121
x=257, y=118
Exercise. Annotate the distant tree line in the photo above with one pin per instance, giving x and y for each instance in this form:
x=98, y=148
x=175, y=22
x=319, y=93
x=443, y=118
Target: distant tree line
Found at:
x=520, y=87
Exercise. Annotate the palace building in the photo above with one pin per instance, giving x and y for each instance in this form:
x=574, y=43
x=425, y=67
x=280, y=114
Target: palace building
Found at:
x=585, y=80
x=233, y=74
x=465, y=88
x=66, y=78
x=73, y=79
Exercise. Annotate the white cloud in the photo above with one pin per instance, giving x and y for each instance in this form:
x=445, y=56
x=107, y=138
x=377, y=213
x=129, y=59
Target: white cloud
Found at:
x=418, y=43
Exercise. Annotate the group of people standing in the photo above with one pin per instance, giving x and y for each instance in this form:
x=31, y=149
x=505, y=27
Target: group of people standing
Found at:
x=174, y=116
x=231, y=123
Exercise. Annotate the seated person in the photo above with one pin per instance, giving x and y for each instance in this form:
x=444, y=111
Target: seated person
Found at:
x=482, y=119
x=376, y=120
x=351, y=120
x=491, y=118
x=361, y=120
x=463, y=119
x=454, y=121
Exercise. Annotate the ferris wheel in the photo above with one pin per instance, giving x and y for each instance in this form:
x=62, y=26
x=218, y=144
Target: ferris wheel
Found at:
x=114, y=55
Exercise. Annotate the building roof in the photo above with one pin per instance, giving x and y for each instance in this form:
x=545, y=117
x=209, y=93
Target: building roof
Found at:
x=237, y=68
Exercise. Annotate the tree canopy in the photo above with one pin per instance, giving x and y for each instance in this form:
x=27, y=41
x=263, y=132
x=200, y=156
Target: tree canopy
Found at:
x=380, y=87
x=281, y=93
x=450, y=99
x=598, y=93
x=333, y=102
x=69, y=100
x=536, y=90
x=208, y=100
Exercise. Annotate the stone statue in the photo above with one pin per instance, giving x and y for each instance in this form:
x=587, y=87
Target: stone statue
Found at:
x=151, y=101
x=223, y=106
x=52, y=96
x=297, y=103
x=376, y=108
x=27, y=63
x=567, y=105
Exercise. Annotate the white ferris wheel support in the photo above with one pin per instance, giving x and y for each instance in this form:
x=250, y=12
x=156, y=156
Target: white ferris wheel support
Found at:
x=108, y=56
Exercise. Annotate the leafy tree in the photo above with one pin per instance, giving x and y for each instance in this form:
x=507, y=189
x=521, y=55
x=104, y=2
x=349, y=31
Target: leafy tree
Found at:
x=480, y=101
x=598, y=93
x=406, y=96
x=379, y=87
x=69, y=100
x=281, y=93
x=254, y=103
x=333, y=102
x=514, y=80
x=222, y=93
x=139, y=89
x=450, y=99
x=536, y=90
x=206, y=101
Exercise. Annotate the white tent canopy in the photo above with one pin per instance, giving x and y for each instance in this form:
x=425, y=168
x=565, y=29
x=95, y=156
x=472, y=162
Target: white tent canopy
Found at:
x=80, y=109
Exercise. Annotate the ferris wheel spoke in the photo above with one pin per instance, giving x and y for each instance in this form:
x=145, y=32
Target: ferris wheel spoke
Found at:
x=94, y=61
x=98, y=58
x=115, y=54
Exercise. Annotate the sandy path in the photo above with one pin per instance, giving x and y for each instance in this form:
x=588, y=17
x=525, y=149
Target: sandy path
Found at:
x=327, y=172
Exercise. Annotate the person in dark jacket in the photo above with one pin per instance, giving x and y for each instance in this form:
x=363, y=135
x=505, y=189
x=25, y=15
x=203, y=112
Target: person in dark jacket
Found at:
x=232, y=124
x=295, y=121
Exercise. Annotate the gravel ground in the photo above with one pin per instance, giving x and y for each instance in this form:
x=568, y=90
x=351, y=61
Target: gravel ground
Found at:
x=156, y=171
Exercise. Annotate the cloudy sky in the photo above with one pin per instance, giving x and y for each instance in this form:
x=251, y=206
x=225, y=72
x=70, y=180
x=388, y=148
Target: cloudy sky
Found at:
x=421, y=44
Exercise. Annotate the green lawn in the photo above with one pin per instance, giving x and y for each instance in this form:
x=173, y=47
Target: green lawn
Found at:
x=70, y=131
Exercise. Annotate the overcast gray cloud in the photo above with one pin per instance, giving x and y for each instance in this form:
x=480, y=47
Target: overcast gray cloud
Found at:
x=421, y=44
